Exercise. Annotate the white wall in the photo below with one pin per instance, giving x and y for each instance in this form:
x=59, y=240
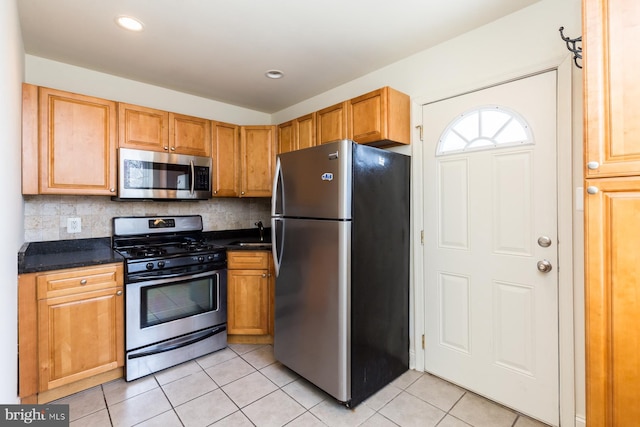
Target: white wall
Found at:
x=11, y=72
x=57, y=75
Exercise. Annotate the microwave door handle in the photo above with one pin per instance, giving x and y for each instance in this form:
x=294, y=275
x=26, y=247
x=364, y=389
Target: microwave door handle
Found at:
x=193, y=177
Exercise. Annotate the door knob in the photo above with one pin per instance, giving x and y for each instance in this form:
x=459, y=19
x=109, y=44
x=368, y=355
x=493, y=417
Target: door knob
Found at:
x=544, y=266
x=544, y=241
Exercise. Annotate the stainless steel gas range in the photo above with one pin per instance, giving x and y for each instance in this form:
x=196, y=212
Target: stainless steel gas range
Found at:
x=175, y=291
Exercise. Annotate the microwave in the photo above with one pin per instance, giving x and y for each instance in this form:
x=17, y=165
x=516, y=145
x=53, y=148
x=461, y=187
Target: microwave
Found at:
x=162, y=176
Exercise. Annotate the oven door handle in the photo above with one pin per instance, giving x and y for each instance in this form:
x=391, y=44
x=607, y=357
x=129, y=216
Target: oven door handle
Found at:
x=169, y=278
x=179, y=343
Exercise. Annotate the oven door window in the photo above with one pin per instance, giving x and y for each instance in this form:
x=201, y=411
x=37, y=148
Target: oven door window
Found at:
x=176, y=300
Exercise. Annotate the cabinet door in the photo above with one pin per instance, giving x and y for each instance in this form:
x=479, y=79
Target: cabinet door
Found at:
x=189, y=135
x=306, y=131
x=286, y=137
x=142, y=128
x=77, y=144
x=248, y=302
x=257, y=154
x=612, y=296
x=226, y=160
x=380, y=115
x=611, y=90
x=80, y=336
x=331, y=123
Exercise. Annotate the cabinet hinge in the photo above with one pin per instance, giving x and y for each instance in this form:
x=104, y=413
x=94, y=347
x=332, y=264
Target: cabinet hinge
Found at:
x=419, y=127
x=422, y=237
x=423, y=341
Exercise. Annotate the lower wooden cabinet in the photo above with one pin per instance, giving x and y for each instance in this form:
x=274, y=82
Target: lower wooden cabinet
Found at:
x=612, y=296
x=250, y=297
x=71, y=330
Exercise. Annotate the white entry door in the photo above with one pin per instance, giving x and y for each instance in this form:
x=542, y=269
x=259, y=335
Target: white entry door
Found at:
x=490, y=258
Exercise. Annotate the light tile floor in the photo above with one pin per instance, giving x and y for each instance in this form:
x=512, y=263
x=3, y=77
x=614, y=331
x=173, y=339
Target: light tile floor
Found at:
x=243, y=385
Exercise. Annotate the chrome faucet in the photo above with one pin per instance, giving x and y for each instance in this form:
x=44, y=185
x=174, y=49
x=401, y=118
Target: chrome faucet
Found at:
x=261, y=228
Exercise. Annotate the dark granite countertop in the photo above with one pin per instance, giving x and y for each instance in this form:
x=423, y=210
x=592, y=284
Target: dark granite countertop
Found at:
x=35, y=257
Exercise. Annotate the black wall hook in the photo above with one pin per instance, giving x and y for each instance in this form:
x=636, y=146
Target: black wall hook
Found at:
x=571, y=45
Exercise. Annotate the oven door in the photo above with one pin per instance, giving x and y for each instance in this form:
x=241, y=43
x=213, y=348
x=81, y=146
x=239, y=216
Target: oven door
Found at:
x=162, y=309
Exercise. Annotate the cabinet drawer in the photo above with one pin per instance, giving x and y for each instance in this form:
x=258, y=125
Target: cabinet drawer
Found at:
x=248, y=260
x=66, y=282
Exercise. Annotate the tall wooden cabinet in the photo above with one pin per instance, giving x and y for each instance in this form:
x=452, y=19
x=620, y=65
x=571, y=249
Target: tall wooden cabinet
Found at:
x=612, y=211
x=257, y=160
x=69, y=143
x=226, y=159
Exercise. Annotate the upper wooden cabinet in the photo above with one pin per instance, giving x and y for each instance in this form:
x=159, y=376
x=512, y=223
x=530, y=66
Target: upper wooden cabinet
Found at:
x=331, y=123
x=257, y=158
x=379, y=118
x=150, y=129
x=297, y=134
x=226, y=159
x=612, y=93
x=68, y=143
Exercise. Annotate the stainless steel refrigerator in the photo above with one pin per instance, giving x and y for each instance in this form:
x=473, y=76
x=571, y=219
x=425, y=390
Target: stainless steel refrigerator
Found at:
x=340, y=233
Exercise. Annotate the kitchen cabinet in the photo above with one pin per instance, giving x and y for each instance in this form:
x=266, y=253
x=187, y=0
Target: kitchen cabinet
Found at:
x=379, y=118
x=612, y=211
x=331, y=123
x=68, y=144
x=257, y=160
x=297, y=134
x=250, y=296
x=71, y=330
x=226, y=159
x=146, y=128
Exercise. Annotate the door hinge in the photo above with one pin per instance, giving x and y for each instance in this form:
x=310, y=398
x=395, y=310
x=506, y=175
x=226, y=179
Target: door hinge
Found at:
x=423, y=342
x=422, y=237
x=419, y=127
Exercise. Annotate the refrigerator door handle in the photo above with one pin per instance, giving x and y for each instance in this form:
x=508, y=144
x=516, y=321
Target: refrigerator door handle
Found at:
x=277, y=237
x=277, y=192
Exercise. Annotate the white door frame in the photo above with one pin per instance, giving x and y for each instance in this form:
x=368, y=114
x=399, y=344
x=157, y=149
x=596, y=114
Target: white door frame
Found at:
x=565, y=236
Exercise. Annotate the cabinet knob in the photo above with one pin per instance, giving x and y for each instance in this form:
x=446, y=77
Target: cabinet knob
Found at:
x=119, y=293
x=593, y=165
x=242, y=192
x=215, y=191
x=166, y=148
x=173, y=148
x=264, y=274
x=592, y=190
x=113, y=190
x=83, y=282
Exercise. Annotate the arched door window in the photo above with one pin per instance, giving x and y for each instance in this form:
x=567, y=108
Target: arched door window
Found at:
x=484, y=128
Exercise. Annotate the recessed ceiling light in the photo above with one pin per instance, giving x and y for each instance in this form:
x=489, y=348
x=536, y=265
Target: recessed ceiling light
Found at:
x=274, y=74
x=129, y=23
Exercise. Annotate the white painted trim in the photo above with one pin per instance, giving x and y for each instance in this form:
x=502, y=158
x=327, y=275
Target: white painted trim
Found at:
x=565, y=233
x=580, y=422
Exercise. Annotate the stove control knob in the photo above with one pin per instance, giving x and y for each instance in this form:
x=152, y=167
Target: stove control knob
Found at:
x=210, y=257
x=160, y=264
x=200, y=258
x=149, y=266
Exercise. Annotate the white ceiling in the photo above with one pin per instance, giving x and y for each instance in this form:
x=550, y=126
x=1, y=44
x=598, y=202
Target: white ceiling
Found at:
x=220, y=49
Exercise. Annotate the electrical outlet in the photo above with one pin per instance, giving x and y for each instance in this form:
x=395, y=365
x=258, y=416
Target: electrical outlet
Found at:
x=74, y=225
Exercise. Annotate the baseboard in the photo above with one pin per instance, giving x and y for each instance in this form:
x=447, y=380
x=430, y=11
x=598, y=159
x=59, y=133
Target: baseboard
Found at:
x=581, y=422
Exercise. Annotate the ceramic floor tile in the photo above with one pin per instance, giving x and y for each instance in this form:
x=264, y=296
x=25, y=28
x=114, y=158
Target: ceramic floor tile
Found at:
x=436, y=391
x=382, y=397
x=245, y=348
x=206, y=409
x=84, y=403
x=216, y=357
x=481, y=412
x=524, y=421
x=261, y=357
x=378, y=420
x=306, y=420
x=273, y=410
x=139, y=408
x=305, y=393
x=97, y=419
x=248, y=389
x=406, y=379
x=237, y=419
x=229, y=371
x=177, y=372
x=189, y=387
x=450, y=421
x=166, y=419
x=334, y=414
x=279, y=374
x=407, y=410
x=119, y=390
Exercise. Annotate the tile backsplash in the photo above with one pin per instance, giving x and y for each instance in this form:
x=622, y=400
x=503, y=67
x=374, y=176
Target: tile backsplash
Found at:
x=45, y=217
